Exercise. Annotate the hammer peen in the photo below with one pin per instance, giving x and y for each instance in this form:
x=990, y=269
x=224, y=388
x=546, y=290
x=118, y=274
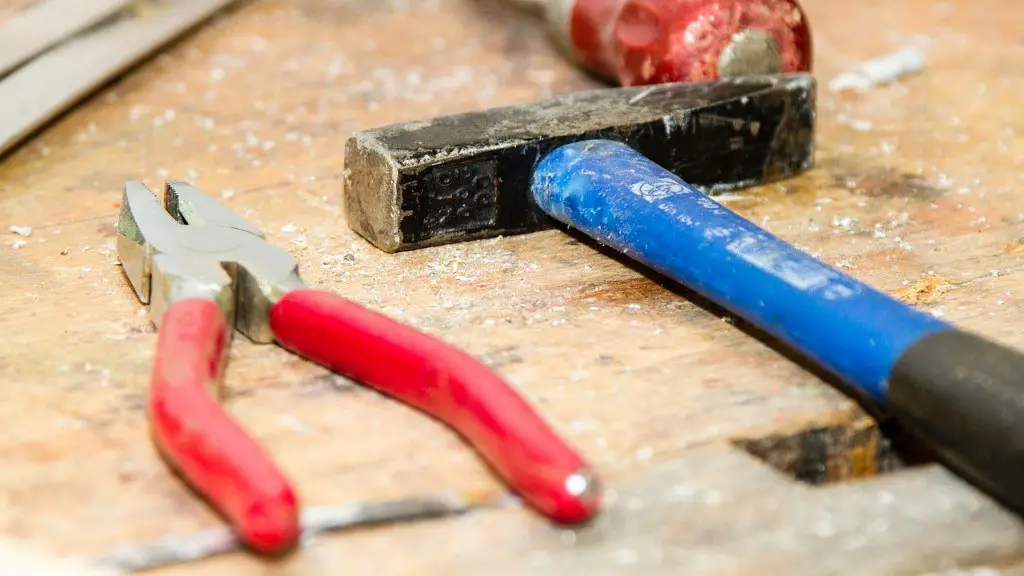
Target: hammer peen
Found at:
x=629, y=167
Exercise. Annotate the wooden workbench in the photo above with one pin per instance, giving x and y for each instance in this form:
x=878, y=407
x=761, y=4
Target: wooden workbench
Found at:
x=918, y=190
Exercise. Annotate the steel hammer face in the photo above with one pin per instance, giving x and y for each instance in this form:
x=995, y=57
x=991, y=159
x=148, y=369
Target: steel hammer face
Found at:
x=467, y=176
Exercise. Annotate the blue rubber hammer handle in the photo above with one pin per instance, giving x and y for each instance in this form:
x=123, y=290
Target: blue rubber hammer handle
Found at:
x=958, y=392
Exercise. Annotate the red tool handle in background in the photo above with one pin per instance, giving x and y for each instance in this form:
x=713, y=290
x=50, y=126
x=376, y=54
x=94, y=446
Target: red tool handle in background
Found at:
x=209, y=449
x=447, y=384
x=636, y=42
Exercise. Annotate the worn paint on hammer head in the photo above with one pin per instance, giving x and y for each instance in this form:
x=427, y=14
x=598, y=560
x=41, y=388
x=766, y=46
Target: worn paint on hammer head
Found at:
x=467, y=176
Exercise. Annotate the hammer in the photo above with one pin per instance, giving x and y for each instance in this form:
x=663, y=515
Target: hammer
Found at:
x=636, y=169
x=634, y=42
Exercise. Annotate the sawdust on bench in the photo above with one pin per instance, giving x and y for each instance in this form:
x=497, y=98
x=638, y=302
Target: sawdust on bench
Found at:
x=926, y=291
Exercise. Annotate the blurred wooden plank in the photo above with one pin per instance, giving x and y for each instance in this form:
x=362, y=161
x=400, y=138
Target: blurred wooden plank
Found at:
x=48, y=23
x=47, y=86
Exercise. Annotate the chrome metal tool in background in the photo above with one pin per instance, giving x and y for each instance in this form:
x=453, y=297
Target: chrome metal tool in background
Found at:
x=58, y=52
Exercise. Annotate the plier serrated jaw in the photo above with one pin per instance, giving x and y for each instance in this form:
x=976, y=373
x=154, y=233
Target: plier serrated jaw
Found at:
x=188, y=245
x=204, y=271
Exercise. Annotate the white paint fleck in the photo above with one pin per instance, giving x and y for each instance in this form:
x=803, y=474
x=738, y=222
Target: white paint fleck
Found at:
x=292, y=423
x=626, y=556
x=844, y=222
x=879, y=71
x=729, y=197
x=712, y=498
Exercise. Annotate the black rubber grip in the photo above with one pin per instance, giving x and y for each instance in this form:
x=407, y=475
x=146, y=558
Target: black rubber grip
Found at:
x=963, y=395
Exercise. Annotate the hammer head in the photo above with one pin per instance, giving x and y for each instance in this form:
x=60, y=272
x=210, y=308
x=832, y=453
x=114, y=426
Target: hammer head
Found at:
x=467, y=176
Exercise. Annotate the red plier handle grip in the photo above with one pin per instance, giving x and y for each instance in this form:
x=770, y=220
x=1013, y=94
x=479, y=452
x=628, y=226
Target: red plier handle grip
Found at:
x=227, y=466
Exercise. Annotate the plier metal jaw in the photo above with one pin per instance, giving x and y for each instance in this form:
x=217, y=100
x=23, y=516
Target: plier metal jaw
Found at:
x=194, y=247
x=205, y=271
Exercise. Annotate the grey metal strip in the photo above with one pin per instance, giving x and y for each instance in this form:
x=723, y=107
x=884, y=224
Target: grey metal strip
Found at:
x=47, y=86
x=47, y=23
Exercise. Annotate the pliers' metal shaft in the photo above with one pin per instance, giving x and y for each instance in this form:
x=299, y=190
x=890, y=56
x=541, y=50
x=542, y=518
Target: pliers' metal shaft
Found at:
x=315, y=521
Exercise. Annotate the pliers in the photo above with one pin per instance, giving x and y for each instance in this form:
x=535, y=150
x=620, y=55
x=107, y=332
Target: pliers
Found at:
x=205, y=271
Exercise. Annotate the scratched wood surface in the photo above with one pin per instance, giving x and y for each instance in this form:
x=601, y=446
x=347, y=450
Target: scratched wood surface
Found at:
x=918, y=190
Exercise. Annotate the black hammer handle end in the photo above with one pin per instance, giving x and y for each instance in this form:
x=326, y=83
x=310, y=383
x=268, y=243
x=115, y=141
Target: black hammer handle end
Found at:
x=964, y=396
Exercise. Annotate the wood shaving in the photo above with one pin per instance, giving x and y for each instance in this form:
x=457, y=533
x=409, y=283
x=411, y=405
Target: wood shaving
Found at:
x=927, y=291
x=1015, y=247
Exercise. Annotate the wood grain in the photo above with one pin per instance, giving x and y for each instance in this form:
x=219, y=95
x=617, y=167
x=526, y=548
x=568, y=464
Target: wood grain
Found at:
x=914, y=180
